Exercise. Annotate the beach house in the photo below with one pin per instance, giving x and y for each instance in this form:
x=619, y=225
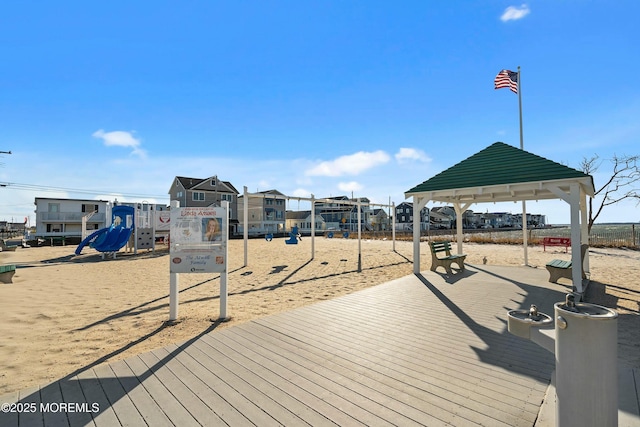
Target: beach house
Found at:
x=404, y=217
x=204, y=192
x=62, y=218
x=339, y=215
x=302, y=220
x=266, y=214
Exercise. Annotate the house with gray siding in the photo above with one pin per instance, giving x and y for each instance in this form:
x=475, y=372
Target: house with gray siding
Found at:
x=199, y=192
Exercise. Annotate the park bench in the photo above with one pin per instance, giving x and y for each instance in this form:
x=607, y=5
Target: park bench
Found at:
x=60, y=239
x=448, y=259
x=5, y=247
x=556, y=241
x=6, y=273
x=558, y=268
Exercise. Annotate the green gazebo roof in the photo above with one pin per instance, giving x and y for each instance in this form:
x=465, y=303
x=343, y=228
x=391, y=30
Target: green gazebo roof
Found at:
x=502, y=172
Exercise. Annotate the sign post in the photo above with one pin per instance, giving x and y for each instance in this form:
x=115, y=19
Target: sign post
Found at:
x=199, y=244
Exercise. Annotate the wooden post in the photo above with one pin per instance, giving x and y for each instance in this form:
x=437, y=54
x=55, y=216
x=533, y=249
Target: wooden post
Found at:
x=173, y=281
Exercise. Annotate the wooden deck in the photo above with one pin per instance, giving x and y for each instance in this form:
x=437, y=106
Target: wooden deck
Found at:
x=421, y=350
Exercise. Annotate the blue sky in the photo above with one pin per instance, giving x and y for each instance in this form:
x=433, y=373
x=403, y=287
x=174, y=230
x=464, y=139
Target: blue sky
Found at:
x=329, y=98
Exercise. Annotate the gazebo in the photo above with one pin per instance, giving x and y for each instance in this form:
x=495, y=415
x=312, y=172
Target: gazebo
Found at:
x=503, y=173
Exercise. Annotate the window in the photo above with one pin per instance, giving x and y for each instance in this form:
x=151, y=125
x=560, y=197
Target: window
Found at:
x=54, y=207
x=89, y=208
x=179, y=194
x=198, y=196
x=268, y=202
x=279, y=202
x=227, y=197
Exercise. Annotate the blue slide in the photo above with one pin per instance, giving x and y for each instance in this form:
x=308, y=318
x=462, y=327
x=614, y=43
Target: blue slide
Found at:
x=116, y=239
x=113, y=238
x=90, y=237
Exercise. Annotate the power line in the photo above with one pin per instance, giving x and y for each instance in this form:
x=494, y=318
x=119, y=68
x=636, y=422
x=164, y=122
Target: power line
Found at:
x=49, y=189
x=4, y=152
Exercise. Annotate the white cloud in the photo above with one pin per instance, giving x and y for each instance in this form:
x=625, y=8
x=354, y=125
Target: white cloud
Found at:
x=301, y=192
x=120, y=139
x=264, y=185
x=409, y=154
x=352, y=164
x=513, y=13
x=350, y=186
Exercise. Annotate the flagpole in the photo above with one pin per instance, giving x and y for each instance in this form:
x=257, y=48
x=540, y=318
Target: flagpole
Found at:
x=520, y=108
x=525, y=241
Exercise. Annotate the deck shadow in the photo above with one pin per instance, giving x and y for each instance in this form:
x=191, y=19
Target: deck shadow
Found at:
x=503, y=349
x=93, y=396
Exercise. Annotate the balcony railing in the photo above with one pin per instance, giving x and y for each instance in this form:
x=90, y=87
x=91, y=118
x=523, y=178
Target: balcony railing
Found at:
x=70, y=217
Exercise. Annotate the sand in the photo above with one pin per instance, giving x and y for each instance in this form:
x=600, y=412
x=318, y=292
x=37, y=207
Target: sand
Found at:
x=64, y=313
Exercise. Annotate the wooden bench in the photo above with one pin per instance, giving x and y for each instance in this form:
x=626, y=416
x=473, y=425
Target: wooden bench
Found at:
x=556, y=241
x=6, y=273
x=558, y=268
x=5, y=247
x=448, y=259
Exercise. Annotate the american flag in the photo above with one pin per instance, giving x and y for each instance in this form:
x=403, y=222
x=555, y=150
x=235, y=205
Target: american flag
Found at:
x=507, y=78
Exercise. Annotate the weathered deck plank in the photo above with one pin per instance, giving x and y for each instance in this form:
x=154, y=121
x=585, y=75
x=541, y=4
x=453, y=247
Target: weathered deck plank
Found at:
x=268, y=398
x=93, y=392
x=119, y=400
x=8, y=417
x=72, y=392
x=173, y=408
x=430, y=350
x=144, y=403
x=199, y=380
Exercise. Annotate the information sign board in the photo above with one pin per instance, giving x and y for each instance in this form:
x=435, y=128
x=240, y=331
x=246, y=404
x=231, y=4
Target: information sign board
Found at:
x=198, y=240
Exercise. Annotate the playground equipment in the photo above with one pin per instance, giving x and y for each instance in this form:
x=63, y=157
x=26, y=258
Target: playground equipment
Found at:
x=145, y=230
x=359, y=203
x=110, y=240
x=294, y=236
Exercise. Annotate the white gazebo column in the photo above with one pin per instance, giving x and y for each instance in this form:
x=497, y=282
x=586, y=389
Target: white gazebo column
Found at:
x=460, y=210
x=418, y=204
x=576, y=240
x=525, y=240
x=584, y=228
